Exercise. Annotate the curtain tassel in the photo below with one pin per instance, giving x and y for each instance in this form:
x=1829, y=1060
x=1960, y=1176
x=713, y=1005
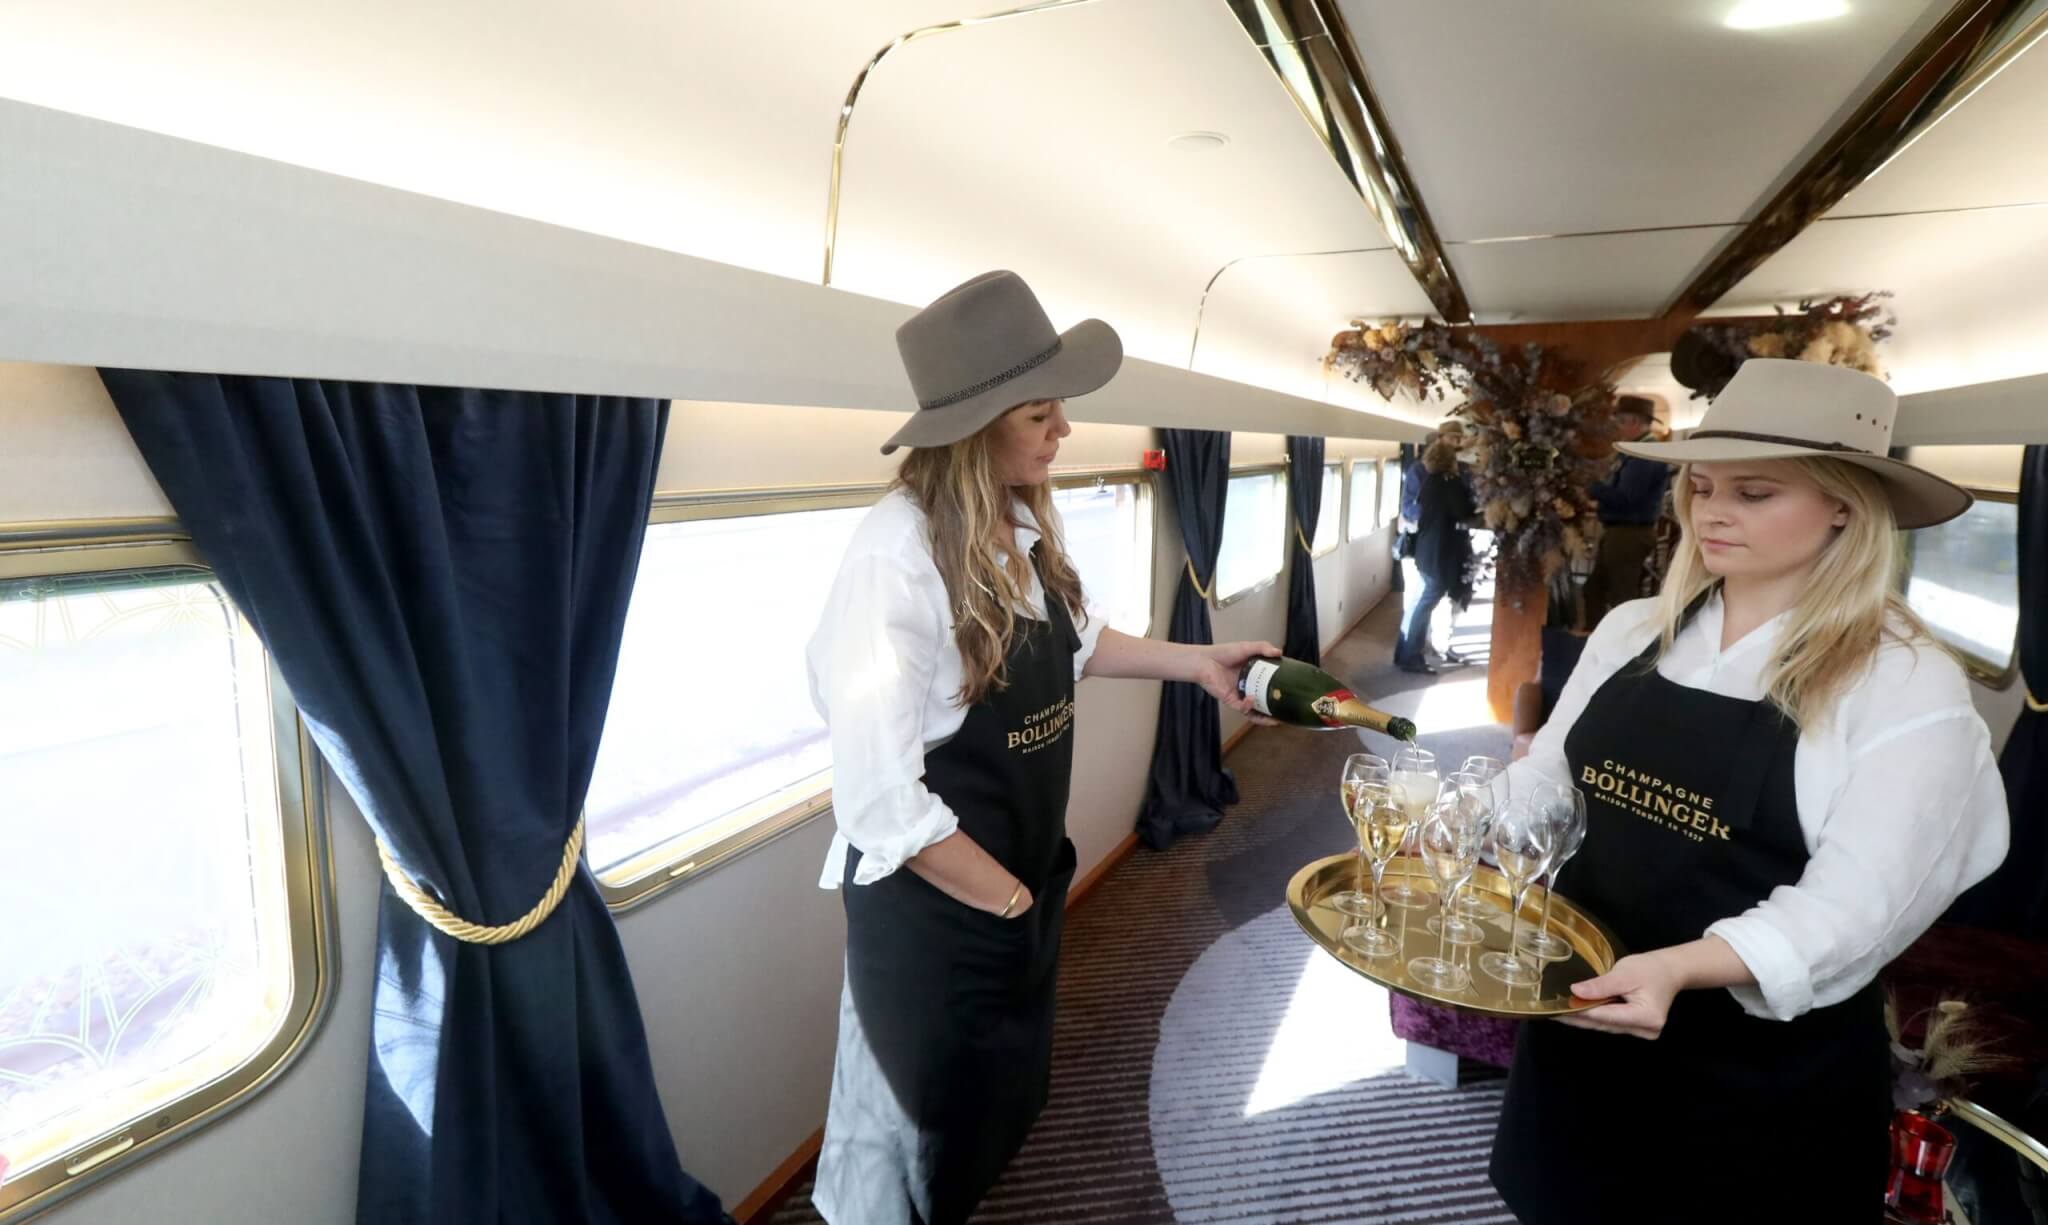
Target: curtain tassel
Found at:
x=448, y=923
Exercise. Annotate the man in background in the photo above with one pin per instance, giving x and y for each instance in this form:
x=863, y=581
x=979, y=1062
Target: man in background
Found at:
x=1629, y=500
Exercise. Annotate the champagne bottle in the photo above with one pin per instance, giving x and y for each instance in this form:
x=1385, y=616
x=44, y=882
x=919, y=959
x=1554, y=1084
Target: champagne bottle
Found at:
x=1306, y=696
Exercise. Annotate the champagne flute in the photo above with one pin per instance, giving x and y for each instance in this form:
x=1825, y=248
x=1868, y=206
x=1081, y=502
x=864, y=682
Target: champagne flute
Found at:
x=1414, y=779
x=1565, y=805
x=1360, y=770
x=1473, y=804
x=1382, y=827
x=1521, y=842
x=1494, y=772
x=1450, y=852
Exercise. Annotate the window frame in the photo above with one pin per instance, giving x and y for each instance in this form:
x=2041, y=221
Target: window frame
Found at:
x=684, y=857
x=1380, y=518
x=1980, y=670
x=1286, y=528
x=1137, y=478
x=1343, y=505
x=1372, y=499
x=66, y=548
x=675, y=861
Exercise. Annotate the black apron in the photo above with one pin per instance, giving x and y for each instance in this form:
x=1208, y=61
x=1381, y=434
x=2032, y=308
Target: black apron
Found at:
x=957, y=1004
x=1691, y=818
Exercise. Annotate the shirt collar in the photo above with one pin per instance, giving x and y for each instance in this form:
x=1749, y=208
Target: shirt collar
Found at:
x=1708, y=622
x=1027, y=526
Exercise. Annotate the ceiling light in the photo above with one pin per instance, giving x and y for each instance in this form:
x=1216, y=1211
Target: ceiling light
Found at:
x=1771, y=14
x=1197, y=142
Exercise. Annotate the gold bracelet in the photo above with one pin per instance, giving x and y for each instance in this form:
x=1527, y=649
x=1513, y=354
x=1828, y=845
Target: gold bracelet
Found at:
x=1014, y=895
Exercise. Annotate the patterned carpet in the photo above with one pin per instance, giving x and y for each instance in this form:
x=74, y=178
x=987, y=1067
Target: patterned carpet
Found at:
x=1208, y=1064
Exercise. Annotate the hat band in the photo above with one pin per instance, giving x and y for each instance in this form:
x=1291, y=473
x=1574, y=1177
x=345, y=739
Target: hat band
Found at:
x=1023, y=367
x=1778, y=440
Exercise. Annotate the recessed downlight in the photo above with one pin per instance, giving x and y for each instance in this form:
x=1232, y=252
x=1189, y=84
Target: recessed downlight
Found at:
x=1198, y=142
x=1773, y=14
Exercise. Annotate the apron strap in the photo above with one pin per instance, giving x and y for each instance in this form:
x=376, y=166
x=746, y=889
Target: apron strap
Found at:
x=1055, y=609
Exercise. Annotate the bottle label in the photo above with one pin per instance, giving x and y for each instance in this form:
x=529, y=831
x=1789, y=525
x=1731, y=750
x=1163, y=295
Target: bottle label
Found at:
x=1326, y=706
x=1257, y=680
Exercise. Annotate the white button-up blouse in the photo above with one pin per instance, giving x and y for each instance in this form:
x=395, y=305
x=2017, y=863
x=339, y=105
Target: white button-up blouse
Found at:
x=885, y=676
x=1899, y=798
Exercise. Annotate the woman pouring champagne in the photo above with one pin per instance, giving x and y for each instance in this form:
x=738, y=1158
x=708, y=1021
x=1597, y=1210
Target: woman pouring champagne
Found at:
x=945, y=669
x=1786, y=784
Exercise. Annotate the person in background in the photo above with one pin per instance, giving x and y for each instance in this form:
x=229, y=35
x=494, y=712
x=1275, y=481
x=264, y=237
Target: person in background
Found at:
x=1441, y=550
x=1630, y=500
x=1452, y=433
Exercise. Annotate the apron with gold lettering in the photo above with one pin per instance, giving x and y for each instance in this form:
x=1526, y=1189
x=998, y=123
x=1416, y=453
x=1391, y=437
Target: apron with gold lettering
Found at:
x=1691, y=818
x=945, y=1055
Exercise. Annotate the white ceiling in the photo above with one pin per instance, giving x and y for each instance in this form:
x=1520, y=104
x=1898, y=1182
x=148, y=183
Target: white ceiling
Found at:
x=1567, y=116
x=1038, y=143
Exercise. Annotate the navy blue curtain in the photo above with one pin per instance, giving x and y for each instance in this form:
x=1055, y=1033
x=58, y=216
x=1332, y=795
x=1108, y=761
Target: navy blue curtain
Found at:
x=442, y=576
x=1305, y=501
x=1189, y=787
x=2015, y=897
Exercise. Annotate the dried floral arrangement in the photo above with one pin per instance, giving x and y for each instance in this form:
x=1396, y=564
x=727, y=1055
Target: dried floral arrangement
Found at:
x=1951, y=1053
x=1538, y=427
x=1839, y=331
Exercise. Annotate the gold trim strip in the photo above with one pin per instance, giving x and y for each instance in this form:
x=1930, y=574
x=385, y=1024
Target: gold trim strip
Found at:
x=1942, y=69
x=860, y=81
x=1311, y=50
x=2006, y=1133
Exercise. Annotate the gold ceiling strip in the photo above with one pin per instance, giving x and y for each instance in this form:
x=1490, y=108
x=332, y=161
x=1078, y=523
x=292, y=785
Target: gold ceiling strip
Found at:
x=1311, y=49
x=861, y=80
x=1972, y=40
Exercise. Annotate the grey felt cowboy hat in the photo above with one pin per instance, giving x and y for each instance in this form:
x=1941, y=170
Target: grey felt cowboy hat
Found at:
x=985, y=347
x=1776, y=408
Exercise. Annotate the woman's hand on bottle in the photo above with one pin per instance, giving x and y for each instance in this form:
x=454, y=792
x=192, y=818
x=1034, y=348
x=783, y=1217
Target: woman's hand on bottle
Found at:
x=1216, y=672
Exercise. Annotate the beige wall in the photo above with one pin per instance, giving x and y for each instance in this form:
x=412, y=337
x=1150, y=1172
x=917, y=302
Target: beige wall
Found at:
x=738, y=971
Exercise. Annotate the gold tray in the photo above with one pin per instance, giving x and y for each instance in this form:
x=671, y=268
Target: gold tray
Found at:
x=1595, y=948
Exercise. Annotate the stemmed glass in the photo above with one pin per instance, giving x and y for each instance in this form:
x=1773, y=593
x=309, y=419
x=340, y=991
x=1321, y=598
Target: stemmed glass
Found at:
x=1414, y=780
x=1474, y=804
x=1382, y=827
x=1450, y=850
x=1360, y=770
x=1494, y=773
x=1565, y=806
x=1521, y=843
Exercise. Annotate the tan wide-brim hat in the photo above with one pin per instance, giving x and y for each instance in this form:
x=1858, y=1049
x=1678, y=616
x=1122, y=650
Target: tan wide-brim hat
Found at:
x=987, y=346
x=1776, y=408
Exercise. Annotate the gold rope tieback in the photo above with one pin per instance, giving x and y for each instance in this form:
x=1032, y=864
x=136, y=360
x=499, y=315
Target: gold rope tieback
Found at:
x=473, y=933
x=1306, y=547
x=2035, y=704
x=1198, y=583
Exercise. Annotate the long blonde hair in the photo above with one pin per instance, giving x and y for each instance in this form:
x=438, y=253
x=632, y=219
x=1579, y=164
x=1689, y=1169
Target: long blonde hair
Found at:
x=1846, y=611
x=971, y=532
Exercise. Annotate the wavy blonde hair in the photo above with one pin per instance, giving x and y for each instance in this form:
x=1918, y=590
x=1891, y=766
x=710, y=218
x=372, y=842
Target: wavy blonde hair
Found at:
x=1846, y=611
x=971, y=532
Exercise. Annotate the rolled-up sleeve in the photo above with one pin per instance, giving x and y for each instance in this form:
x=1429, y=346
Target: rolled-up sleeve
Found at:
x=1920, y=818
x=872, y=662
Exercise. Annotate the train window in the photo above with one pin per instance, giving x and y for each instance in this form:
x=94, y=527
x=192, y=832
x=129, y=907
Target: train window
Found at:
x=1962, y=577
x=1329, y=521
x=164, y=923
x=1254, y=533
x=1390, y=489
x=1365, y=498
x=1107, y=524
x=711, y=745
